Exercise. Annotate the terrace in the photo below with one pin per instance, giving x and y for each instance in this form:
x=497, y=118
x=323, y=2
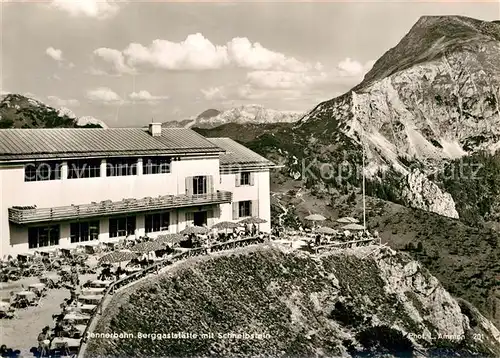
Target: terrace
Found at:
x=28, y=215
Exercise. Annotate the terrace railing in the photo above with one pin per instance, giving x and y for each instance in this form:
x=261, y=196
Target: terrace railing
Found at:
x=27, y=215
x=345, y=245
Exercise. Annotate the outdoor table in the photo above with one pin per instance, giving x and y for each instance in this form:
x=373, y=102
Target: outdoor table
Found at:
x=87, y=308
x=92, y=299
x=36, y=287
x=81, y=328
x=60, y=342
x=26, y=294
x=100, y=283
x=4, y=306
x=76, y=318
x=93, y=290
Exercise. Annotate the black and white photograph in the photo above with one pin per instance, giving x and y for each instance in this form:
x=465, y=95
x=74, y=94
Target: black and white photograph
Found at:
x=249, y=178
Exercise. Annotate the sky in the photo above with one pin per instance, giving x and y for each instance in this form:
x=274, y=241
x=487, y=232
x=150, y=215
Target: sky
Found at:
x=130, y=62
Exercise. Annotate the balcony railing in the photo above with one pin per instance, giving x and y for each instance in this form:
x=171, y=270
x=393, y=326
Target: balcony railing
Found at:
x=27, y=215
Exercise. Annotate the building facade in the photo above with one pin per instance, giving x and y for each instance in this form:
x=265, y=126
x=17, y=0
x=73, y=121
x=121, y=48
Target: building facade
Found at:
x=67, y=187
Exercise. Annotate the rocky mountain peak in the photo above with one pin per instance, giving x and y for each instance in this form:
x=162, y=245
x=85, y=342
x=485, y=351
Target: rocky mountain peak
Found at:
x=430, y=38
x=18, y=111
x=433, y=98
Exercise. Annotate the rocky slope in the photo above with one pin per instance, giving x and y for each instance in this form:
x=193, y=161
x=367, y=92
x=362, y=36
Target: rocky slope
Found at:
x=465, y=259
x=430, y=100
x=17, y=111
x=350, y=303
x=246, y=114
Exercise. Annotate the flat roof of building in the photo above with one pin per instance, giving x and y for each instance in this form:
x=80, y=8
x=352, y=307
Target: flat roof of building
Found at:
x=237, y=155
x=60, y=143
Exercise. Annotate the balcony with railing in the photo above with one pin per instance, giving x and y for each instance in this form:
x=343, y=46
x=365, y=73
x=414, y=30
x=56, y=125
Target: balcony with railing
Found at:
x=28, y=215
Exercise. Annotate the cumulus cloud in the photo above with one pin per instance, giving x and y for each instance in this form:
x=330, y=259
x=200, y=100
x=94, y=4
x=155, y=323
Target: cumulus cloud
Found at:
x=353, y=68
x=249, y=92
x=283, y=79
x=115, y=58
x=54, y=53
x=103, y=94
x=198, y=53
x=214, y=93
x=59, y=102
x=194, y=53
x=99, y=9
x=145, y=96
x=254, y=56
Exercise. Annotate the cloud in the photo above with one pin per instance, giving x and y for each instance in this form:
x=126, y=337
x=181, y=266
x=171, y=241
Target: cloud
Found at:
x=99, y=9
x=198, y=53
x=115, y=58
x=145, y=96
x=194, y=53
x=249, y=92
x=103, y=94
x=284, y=80
x=353, y=68
x=59, y=102
x=54, y=53
x=256, y=57
x=214, y=93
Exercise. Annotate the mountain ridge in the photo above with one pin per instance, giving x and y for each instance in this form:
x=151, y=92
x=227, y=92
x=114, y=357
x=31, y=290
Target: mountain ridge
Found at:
x=410, y=120
x=244, y=114
x=18, y=111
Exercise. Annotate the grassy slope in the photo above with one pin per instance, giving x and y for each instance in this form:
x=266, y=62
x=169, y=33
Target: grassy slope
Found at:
x=307, y=306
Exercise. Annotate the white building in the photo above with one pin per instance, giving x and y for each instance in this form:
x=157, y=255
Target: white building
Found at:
x=65, y=187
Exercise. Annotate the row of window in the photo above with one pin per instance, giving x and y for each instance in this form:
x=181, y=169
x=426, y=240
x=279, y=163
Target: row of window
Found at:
x=82, y=231
x=42, y=236
x=91, y=168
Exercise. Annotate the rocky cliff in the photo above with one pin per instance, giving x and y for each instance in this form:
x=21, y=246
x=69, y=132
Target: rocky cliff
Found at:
x=284, y=302
x=420, y=192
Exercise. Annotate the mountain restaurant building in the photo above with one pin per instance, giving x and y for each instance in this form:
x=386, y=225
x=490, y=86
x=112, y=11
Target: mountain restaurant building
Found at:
x=67, y=187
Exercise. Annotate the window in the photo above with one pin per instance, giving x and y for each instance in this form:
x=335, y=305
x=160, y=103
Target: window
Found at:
x=157, y=222
x=156, y=165
x=244, y=208
x=121, y=167
x=86, y=168
x=245, y=178
x=123, y=226
x=84, y=231
x=43, y=236
x=42, y=171
x=199, y=185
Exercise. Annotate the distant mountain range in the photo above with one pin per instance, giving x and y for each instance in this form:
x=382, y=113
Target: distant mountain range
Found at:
x=246, y=114
x=17, y=111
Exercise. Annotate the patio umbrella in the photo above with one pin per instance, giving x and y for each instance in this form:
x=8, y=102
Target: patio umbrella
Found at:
x=326, y=230
x=148, y=246
x=253, y=220
x=117, y=256
x=197, y=230
x=225, y=225
x=315, y=217
x=348, y=220
x=353, y=227
x=170, y=239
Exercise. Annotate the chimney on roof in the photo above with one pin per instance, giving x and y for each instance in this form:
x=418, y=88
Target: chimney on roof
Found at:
x=155, y=129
